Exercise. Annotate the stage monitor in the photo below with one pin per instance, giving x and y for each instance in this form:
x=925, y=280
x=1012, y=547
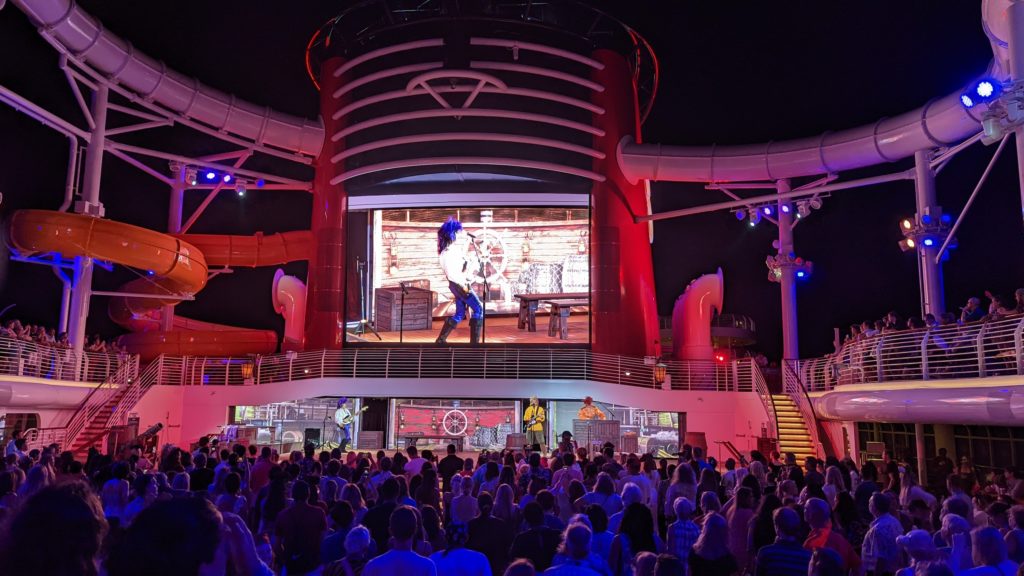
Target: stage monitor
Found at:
x=528, y=267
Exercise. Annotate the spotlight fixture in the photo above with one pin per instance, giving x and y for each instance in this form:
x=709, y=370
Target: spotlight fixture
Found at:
x=767, y=210
x=785, y=208
x=755, y=218
x=190, y=176
x=906, y=224
x=983, y=91
x=227, y=178
x=814, y=203
x=260, y=183
x=928, y=242
x=800, y=273
x=907, y=244
x=802, y=209
x=240, y=188
x=741, y=215
x=211, y=175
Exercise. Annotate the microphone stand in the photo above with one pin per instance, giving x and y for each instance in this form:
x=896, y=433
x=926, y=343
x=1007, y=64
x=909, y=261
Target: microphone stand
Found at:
x=401, y=312
x=483, y=274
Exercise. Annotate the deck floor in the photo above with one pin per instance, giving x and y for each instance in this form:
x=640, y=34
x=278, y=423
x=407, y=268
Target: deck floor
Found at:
x=499, y=330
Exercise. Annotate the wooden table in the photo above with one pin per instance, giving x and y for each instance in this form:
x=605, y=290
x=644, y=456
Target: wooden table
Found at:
x=558, y=324
x=528, y=306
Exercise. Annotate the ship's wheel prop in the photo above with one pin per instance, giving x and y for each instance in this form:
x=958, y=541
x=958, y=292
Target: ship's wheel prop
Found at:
x=490, y=249
x=455, y=423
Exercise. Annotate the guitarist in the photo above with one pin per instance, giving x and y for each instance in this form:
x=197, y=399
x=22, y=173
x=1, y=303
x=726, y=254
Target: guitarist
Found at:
x=343, y=418
x=533, y=421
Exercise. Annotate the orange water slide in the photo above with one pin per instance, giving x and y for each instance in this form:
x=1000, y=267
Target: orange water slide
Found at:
x=178, y=266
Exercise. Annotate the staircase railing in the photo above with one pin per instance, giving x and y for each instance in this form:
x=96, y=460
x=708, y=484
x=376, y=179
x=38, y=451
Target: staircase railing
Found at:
x=38, y=438
x=99, y=397
x=794, y=388
x=153, y=374
x=761, y=387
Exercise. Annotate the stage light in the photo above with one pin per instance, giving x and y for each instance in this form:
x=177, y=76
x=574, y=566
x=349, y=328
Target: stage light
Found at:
x=767, y=210
x=227, y=178
x=755, y=218
x=814, y=203
x=802, y=209
x=785, y=209
x=190, y=176
x=800, y=274
x=926, y=218
x=240, y=188
x=211, y=175
x=260, y=183
x=946, y=218
x=929, y=242
x=907, y=244
x=906, y=224
x=985, y=89
x=966, y=101
x=741, y=215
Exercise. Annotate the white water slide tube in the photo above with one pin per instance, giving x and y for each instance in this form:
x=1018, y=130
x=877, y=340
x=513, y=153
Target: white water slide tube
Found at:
x=83, y=36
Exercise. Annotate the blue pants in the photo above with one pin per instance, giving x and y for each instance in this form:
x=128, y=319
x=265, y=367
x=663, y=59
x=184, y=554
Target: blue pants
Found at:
x=463, y=299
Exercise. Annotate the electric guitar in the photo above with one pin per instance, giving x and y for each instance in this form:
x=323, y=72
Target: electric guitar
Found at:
x=351, y=417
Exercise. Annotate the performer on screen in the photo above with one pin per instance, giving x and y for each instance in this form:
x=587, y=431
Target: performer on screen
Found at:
x=451, y=250
x=589, y=411
x=533, y=421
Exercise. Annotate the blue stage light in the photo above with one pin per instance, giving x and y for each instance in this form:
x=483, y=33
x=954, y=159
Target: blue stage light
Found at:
x=926, y=218
x=785, y=208
x=985, y=89
x=260, y=183
x=740, y=214
x=946, y=218
x=227, y=178
x=929, y=242
x=801, y=274
x=211, y=175
x=966, y=101
x=767, y=210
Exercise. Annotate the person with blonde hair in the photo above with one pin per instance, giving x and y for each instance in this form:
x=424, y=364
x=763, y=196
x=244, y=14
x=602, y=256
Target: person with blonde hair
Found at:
x=710, y=555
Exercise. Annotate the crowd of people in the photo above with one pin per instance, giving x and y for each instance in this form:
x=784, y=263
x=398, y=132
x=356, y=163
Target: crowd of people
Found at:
x=999, y=307
x=16, y=330
x=242, y=511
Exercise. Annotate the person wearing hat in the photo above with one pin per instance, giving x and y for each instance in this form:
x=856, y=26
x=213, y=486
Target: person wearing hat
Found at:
x=919, y=547
x=589, y=411
x=343, y=419
x=533, y=420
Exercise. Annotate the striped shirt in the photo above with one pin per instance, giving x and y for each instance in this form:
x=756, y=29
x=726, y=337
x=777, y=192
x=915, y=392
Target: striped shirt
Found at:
x=784, y=558
x=681, y=536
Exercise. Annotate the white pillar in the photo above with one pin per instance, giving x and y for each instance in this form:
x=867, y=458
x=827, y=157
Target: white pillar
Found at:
x=1015, y=16
x=65, y=304
x=82, y=287
x=790, y=336
x=933, y=300
x=174, y=210
x=922, y=458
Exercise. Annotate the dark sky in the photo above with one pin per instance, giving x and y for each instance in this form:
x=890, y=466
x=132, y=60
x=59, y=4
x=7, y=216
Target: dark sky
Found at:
x=732, y=72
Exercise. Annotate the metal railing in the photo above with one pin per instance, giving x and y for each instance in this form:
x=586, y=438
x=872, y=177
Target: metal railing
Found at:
x=793, y=387
x=25, y=358
x=975, y=350
x=140, y=385
x=749, y=367
x=476, y=363
x=39, y=438
x=101, y=396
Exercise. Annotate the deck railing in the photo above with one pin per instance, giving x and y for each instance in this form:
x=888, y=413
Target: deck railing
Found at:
x=793, y=387
x=748, y=368
x=975, y=350
x=100, y=396
x=24, y=358
x=457, y=362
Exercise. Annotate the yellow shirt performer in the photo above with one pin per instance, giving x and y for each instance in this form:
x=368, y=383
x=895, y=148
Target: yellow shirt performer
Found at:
x=533, y=419
x=589, y=411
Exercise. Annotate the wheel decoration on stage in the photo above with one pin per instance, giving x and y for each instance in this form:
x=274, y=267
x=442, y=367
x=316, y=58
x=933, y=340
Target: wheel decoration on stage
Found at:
x=455, y=423
x=492, y=252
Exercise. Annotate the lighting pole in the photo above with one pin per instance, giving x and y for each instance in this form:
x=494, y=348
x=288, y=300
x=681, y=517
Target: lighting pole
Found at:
x=929, y=213
x=90, y=204
x=1015, y=17
x=174, y=210
x=787, y=278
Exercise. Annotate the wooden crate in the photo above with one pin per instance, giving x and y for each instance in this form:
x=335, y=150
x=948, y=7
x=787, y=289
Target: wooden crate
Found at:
x=388, y=314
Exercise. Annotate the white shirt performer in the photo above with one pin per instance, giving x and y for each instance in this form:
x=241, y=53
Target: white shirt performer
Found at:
x=343, y=418
x=451, y=250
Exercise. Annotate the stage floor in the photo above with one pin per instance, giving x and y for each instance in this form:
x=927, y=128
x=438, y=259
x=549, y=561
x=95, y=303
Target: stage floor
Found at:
x=500, y=330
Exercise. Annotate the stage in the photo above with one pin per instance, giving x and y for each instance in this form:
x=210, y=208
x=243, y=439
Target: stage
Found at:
x=499, y=330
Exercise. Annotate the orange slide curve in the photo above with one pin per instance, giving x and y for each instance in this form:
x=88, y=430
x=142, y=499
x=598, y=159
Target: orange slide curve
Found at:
x=178, y=266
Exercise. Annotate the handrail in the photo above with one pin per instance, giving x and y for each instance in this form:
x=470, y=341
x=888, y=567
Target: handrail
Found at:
x=138, y=388
x=975, y=350
x=39, y=438
x=455, y=362
x=761, y=387
x=35, y=360
x=795, y=389
x=99, y=397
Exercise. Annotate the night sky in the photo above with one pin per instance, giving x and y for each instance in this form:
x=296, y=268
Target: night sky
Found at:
x=732, y=73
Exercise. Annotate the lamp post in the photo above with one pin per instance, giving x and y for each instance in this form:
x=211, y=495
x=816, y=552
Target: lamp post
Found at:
x=661, y=374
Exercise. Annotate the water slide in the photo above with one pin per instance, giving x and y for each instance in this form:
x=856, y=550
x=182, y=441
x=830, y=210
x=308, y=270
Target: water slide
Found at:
x=691, y=317
x=178, y=267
